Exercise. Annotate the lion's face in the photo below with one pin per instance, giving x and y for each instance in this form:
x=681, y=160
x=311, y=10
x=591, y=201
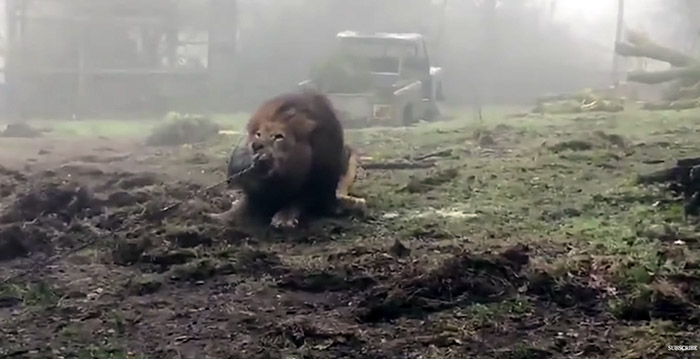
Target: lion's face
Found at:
x=278, y=146
x=270, y=143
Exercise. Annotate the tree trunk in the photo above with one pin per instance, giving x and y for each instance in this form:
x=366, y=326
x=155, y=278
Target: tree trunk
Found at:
x=654, y=51
x=659, y=77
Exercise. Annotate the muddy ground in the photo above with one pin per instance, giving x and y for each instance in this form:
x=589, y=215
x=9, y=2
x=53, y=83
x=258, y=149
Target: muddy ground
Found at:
x=529, y=239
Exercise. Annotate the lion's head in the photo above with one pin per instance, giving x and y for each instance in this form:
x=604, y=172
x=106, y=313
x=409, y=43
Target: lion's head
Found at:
x=278, y=141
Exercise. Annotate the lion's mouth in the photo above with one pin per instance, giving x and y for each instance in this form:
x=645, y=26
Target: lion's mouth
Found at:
x=262, y=164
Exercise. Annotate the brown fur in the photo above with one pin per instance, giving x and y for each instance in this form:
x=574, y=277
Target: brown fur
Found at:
x=346, y=201
x=310, y=168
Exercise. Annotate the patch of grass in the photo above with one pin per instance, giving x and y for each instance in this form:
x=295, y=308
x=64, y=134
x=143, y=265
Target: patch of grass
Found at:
x=651, y=340
x=519, y=306
x=87, y=256
x=634, y=305
x=96, y=128
x=103, y=352
x=70, y=332
x=485, y=315
x=481, y=315
x=639, y=256
x=118, y=321
x=145, y=284
x=183, y=130
x=39, y=294
x=130, y=128
x=199, y=270
x=10, y=294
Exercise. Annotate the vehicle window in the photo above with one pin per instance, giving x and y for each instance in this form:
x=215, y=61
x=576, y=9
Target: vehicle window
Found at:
x=384, y=64
x=415, y=63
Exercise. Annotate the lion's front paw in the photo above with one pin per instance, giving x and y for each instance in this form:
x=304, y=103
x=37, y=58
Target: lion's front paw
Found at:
x=232, y=216
x=285, y=219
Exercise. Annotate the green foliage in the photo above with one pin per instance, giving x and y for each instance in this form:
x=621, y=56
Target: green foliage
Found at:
x=183, y=129
x=101, y=352
x=30, y=294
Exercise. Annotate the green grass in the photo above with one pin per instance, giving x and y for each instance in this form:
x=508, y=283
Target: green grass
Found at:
x=103, y=352
x=584, y=197
x=38, y=294
x=580, y=210
x=521, y=189
x=520, y=186
x=124, y=128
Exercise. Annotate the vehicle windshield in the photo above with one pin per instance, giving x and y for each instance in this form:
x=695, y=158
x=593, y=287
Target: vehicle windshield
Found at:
x=380, y=56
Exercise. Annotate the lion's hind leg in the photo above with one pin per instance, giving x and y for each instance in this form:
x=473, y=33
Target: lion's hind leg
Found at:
x=345, y=200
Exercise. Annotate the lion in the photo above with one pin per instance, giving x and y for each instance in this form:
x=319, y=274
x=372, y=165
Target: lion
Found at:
x=297, y=163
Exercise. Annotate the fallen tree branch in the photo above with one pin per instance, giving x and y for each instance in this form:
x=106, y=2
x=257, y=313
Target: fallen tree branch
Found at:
x=683, y=179
x=672, y=105
x=656, y=52
x=440, y=153
x=689, y=91
x=397, y=165
x=679, y=172
x=664, y=175
x=685, y=71
x=658, y=77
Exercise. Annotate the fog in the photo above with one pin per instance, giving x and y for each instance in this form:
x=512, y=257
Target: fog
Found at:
x=508, y=55
x=469, y=179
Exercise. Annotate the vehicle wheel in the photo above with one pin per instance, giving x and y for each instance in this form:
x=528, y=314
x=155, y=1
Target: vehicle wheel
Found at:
x=439, y=95
x=408, y=117
x=432, y=113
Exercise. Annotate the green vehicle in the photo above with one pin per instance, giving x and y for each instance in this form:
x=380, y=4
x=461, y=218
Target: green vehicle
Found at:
x=380, y=79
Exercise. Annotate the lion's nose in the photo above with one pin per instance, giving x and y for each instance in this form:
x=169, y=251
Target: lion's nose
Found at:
x=257, y=146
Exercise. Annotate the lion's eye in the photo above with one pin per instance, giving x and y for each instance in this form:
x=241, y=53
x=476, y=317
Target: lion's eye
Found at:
x=257, y=135
x=278, y=137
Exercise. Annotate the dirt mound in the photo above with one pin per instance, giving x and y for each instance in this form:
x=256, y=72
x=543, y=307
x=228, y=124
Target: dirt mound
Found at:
x=568, y=291
x=254, y=261
x=590, y=141
x=326, y=281
x=18, y=241
x=462, y=279
x=64, y=200
x=432, y=181
x=64, y=207
x=21, y=130
x=676, y=299
x=183, y=130
x=16, y=175
x=9, y=180
x=182, y=265
x=305, y=331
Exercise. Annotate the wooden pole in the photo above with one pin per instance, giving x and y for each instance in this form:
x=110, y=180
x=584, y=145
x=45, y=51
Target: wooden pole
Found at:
x=441, y=33
x=618, y=38
x=223, y=29
x=19, y=9
x=80, y=86
x=10, y=54
x=484, y=90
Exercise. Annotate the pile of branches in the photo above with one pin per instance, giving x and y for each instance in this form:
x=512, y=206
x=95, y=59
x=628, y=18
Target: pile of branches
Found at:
x=684, y=74
x=683, y=179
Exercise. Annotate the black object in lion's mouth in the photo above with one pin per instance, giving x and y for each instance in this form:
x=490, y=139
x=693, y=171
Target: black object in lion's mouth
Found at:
x=242, y=159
